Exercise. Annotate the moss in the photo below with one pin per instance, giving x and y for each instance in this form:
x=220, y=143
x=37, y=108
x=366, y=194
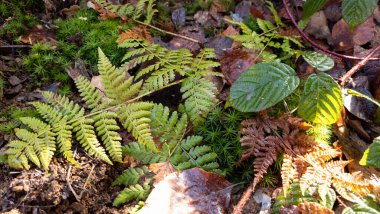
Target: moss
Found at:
x=220, y=131
x=10, y=116
x=17, y=17
x=195, y=5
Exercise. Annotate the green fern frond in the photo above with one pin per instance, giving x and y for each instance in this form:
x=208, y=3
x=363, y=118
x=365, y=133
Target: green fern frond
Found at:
x=85, y=134
x=130, y=176
x=89, y=93
x=106, y=128
x=61, y=128
x=165, y=127
x=18, y=154
x=142, y=153
x=133, y=192
x=199, y=95
x=116, y=85
x=43, y=144
x=135, y=118
x=124, y=10
x=67, y=107
x=190, y=153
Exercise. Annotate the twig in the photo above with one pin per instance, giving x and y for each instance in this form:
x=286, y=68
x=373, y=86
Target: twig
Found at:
x=78, y=197
x=354, y=69
x=316, y=45
x=243, y=200
x=166, y=32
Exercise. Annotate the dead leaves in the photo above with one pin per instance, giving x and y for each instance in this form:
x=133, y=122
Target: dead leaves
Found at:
x=138, y=32
x=313, y=208
x=191, y=191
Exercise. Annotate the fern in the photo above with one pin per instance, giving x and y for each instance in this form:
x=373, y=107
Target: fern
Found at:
x=270, y=35
x=130, y=10
x=199, y=93
x=132, y=192
x=130, y=176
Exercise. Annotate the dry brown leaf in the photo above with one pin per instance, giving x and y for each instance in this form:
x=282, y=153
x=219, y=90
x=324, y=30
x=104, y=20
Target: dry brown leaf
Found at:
x=137, y=32
x=191, y=191
x=161, y=170
x=313, y=208
x=39, y=34
x=342, y=36
x=234, y=63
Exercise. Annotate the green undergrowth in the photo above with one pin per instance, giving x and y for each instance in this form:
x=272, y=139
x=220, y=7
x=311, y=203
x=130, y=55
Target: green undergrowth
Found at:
x=78, y=38
x=16, y=17
x=220, y=131
x=10, y=118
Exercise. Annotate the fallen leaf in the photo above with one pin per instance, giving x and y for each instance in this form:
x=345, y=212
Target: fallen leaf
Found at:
x=161, y=170
x=70, y=12
x=191, y=191
x=138, y=32
x=342, y=36
x=39, y=34
x=358, y=106
x=234, y=63
x=318, y=28
x=364, y=32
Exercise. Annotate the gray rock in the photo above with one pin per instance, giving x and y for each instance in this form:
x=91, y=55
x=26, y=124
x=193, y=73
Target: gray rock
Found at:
x=243, y=9
x=179, y=17
x=13, y=80
x=202, y=17
x=220, y=44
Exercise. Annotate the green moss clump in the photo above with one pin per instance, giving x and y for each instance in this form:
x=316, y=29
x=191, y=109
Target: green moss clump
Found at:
x=17, y=17
x=220, y=131
x=195, y=5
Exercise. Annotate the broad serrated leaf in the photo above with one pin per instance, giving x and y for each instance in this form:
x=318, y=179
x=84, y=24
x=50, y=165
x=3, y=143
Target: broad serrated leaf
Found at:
x=262, y=86
x=355, y=12
x=312, y=6
x=367, y=205
x=371, y=156
x=321, y=101
x=318, y=60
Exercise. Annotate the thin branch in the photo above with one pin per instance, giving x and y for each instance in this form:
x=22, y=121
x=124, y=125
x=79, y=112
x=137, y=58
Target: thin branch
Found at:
x=313, y=43
x=238, y=209
x=354, y=69
x=166, y=32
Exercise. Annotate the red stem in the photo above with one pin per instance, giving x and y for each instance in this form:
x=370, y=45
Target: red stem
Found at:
x=354, y=69
x=316, y=45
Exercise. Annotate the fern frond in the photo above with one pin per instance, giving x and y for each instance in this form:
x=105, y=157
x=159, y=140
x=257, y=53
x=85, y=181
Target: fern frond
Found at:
x=133, y=192
x=67, y=107
x=165, y=127
x=313, y=207
x=199, y=95
x=190, y=153
x=106, y=128
x=43, y=144
x=354, y=182
x=127, y=10
x=60, y=127
x=130, y=176
x=89, y=93
x=135, y=118
x=142, y=153
x=85, y=134
x=287, y=172
x=116, y=85
x=18, y=154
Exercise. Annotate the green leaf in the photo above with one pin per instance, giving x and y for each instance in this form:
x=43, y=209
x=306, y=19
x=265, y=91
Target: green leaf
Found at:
x=262, y=86
x=367, y=205
x=355, y=12
x=321, y=101
x=312, y=6
x=371, y=156
x=318, y=60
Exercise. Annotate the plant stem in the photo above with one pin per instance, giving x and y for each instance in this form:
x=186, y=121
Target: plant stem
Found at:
x=354, y=69
x=166, y=32
x=316, y=45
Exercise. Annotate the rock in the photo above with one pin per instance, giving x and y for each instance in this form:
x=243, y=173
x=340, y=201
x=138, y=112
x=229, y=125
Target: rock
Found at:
x=220, y=44
x=179, y=17
x=318, y=27
x=243, y=9
x=14, y=90
x=202, y=17
x=13, y=80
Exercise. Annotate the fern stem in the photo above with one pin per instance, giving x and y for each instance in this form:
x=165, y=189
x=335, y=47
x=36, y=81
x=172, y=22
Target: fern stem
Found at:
x=313, y=43
x=167, y=32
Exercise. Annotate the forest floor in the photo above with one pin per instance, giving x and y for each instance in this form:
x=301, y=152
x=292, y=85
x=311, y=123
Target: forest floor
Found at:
x=68, y=189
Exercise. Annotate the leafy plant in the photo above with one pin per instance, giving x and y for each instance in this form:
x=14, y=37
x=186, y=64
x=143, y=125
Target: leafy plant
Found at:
x=265, y=84
x=264, y=35
x=353, y=12
x=371, y=155
x=17, y=17
x=318, y=60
